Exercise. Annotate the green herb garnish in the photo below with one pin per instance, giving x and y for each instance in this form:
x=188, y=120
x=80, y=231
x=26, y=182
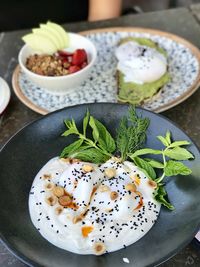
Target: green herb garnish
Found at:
x=131, y=133
x=95, y=144
x=97, y=149
x=171, y=167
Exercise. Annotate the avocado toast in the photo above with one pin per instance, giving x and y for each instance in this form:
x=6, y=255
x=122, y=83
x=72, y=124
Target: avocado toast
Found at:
x=140, y=92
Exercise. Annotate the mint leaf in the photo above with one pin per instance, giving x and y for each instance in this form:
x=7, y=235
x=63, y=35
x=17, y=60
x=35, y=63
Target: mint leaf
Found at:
x=84, y=148
x=175, y=168
x=91, y=155
x=145, y=166
x=72, y=129
x=179, y=143
x=95, y=132
x=161, y=196
x=154, y=163
x=178, y=153
x=145, y=151
x=85, y=122
x=67, y=151
x=68, y=132
x=163, y=140
x=168, y=137
x=105, y=139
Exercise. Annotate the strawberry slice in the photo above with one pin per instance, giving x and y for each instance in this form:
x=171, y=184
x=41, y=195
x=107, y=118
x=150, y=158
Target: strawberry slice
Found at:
x=79, y=57
x=62, y=53
x=73, y=69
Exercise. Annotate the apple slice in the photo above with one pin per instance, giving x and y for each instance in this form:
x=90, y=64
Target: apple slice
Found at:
x=40, y=43
x=47, y=34
x=55, y=33
x=61, y=31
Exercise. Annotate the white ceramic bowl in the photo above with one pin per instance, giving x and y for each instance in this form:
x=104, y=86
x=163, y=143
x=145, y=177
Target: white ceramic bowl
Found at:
x=61, y=84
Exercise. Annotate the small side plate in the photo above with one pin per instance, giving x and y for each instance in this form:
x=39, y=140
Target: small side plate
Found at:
x=4, y=95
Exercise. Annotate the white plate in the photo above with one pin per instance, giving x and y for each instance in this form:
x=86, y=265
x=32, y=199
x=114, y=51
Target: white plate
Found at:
x=4, y=95
x=101, y=85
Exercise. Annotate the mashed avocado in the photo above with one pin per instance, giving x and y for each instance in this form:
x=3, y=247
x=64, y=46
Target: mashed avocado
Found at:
x=137, y=93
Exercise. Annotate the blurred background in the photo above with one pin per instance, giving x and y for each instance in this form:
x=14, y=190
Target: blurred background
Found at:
x=20, y=14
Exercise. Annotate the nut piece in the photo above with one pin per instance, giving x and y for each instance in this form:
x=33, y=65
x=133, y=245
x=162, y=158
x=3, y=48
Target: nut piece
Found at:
x=58, y=210
x=52, y=200
x=77, y=218
x=65, y=200
x=110, y=172
x=130, y=187
x=108, y=210
x=113, y=195
x=69, y=160
x=66, y=160
x=87, y=168
x=58, y=191
x=49, y=186
x=72, y=160
x=152, y=183
x=99, y=248
x=46, y=176
x=104, y=188
x=116, y=159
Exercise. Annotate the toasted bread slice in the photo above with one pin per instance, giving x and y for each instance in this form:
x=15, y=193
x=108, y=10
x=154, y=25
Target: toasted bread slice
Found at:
x=137, y=94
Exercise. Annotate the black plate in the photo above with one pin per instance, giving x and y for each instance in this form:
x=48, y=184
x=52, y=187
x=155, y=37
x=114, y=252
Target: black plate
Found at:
x=34, y=145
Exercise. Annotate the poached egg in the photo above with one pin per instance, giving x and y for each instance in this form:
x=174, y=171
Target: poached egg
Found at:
x=139, y=63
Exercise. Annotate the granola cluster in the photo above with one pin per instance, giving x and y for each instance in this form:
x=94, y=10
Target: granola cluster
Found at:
x=59, y=64
x=47, y=65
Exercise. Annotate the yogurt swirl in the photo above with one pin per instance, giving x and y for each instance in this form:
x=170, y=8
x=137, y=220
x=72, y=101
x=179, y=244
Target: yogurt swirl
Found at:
x=110, y=206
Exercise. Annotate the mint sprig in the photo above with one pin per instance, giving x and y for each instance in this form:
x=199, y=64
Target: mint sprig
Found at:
x=97, y=149
x=170, y=165
x=173, y=151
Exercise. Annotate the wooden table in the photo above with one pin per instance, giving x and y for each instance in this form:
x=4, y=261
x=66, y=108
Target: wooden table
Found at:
x=183, y=22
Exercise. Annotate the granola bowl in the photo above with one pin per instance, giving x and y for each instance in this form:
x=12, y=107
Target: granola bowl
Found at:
x=65, y=83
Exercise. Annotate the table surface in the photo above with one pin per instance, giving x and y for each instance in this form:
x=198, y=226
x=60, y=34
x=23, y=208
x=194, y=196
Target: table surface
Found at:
x=184, y=22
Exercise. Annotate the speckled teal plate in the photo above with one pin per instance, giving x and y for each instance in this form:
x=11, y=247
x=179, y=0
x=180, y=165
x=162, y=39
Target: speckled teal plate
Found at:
x=101, y=85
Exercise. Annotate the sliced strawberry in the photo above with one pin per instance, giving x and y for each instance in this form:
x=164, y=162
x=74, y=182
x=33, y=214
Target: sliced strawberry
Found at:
x=79, y=57
x=62, y=53
x=64, y=60
x=73, y=69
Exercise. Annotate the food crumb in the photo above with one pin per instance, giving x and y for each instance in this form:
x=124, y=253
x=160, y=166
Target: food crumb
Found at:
x=126, y=260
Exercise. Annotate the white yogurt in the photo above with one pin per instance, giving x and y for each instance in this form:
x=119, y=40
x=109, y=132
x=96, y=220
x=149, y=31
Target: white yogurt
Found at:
x=114, y=223
x=140, y=64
